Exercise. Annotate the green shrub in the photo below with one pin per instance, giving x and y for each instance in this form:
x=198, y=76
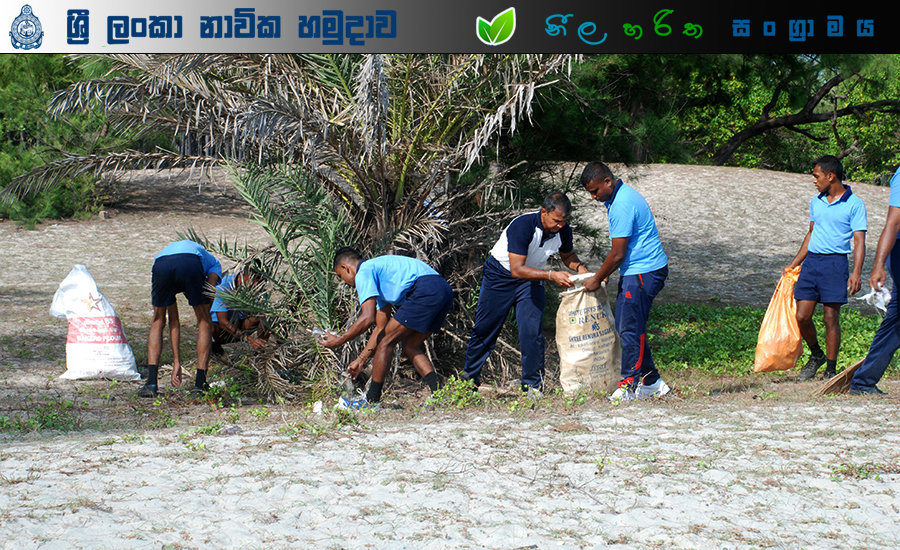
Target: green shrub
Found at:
x=75, y=198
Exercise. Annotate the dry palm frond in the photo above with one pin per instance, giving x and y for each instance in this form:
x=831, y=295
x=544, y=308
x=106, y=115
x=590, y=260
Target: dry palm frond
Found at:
x=45, y=176
x=839, y=383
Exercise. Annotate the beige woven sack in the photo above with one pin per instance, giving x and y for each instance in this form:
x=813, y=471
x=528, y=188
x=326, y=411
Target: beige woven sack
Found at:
x=590, y=353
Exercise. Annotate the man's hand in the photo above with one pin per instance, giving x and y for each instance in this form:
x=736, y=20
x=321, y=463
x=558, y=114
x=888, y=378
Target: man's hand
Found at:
x=176, y=375
x=354, y=368
x=785, y=269
x=877, y=278
x=561, y=278
x=592, y=284
x=257, y=344
x=854, y=283
x=330, y=340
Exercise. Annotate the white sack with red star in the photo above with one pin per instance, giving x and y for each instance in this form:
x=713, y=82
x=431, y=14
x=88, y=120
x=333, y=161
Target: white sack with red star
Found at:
x=96, y=346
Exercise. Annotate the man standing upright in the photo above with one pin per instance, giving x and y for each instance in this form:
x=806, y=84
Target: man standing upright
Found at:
x=836, y=217
x=887, y=337
x=514, y=274
x=182, y=266
x=637, y=253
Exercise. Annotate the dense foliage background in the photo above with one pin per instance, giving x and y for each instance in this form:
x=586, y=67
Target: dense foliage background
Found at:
x=619, y=108
x=686, y=108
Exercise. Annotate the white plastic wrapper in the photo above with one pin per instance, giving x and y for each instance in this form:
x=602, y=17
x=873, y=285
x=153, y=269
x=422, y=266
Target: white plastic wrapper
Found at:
x=96, y=346
x=879, y=299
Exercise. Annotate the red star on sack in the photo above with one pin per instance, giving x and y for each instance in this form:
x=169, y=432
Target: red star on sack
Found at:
x=93, y=303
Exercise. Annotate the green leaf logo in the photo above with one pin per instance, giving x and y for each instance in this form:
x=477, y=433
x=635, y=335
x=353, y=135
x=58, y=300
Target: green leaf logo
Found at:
x=498, y=30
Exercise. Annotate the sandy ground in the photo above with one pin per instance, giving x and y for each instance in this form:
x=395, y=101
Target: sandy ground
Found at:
x=669, y=475
x=744, y=463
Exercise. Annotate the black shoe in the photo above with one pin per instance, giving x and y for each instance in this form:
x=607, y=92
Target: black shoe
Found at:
x=829, y=373
x=197, y=391
x=217, y=349
x=808, y=372
x=875, y=390
x=148, y=390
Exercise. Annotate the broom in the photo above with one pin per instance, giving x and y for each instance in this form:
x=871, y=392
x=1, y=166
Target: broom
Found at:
x=839, y=383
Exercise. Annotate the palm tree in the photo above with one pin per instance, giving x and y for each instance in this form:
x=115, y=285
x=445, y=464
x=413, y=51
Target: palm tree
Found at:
x=382, y=141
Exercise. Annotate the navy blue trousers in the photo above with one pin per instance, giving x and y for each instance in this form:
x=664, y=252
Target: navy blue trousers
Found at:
x=887, y=337
x=499, y=292
x=636, y=294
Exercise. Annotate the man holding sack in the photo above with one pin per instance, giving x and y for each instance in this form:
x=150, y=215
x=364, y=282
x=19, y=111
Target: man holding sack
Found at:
x=514, y=275
x=637, y=253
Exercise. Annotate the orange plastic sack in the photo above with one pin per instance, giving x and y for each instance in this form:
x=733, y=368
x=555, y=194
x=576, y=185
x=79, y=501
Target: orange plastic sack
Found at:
x=779, y=344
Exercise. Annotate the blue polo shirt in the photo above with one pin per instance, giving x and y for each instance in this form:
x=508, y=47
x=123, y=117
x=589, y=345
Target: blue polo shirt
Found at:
x=209, y=262
x=218, y=306
x=389, y=278
x=525, y=236
x=895, y=190
x=835, y=222
x=630, y=217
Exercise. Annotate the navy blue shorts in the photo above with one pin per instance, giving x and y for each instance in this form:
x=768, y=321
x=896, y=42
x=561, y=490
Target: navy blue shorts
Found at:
x=823, y=278
x=426, y=304
x=178, y=273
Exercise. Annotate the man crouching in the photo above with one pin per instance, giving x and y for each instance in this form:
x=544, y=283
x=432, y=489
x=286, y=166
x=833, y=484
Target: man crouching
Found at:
x=422, y=299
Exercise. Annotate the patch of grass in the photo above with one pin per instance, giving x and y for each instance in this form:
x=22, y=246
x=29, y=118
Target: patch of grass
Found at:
x=232, y=415
x=7, y=424
x=456, y=393
x=337, y=420
x=722, y=340
x=208, y=429
x=576, y=399
x=766, y=395
x=162, y=419
x=224, y=393
x=59, y=415
x=195, y=446
x=867, y=470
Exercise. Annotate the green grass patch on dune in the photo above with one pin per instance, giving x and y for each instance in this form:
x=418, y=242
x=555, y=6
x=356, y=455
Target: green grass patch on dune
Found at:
x=722, y=340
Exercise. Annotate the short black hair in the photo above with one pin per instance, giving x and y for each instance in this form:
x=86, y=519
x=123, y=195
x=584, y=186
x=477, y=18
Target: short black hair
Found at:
x=253, y=269
x=595, y=171
x=346, y=254
x=558, y=202
x=832, y=164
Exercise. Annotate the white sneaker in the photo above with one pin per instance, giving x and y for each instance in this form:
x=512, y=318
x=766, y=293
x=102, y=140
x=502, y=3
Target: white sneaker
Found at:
x=534, y=394
x=659, y=389
x=622, y=394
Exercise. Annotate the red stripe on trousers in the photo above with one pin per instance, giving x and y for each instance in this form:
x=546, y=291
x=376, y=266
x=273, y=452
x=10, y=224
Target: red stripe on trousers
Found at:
x=637, y=366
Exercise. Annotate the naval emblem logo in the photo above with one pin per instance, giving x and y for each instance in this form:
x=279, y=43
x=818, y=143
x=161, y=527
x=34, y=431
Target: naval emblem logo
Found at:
x=26, y=32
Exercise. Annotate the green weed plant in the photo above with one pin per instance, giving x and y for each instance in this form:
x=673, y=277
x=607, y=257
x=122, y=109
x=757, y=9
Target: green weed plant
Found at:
x=456, y=393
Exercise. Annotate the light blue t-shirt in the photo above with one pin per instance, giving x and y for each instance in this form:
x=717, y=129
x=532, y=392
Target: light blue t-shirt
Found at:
x=835, y=222
x=895, y=189
x=630, y=217
x=389, y=278
x=209, y=262
x=227, y=285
